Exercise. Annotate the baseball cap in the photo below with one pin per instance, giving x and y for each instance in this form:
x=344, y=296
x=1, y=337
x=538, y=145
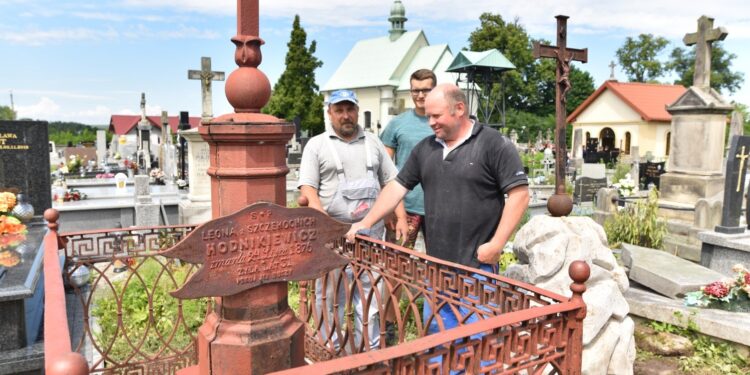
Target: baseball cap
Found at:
x=341, y=96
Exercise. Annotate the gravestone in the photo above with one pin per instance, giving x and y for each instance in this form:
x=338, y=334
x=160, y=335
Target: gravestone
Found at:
x=734, y=185
x=586, y=188
x=206, y=76
x=594, y=170
x=146, y=211
x=24, y=161
x=196, y=209
x=650, y=173
x=144, y=140
x=101, y=148
x=577, y=150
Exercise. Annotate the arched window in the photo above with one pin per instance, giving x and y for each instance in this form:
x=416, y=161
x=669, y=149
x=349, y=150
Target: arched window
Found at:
x=607, y=137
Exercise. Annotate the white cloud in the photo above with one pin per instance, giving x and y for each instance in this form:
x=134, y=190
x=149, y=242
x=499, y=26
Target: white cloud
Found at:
x=44, y=109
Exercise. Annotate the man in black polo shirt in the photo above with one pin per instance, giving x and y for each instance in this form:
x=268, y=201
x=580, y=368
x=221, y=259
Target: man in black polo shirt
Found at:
x=466, y=170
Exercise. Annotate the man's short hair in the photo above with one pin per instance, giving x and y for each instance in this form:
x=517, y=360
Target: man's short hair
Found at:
x=454, y=96
x=423, y=74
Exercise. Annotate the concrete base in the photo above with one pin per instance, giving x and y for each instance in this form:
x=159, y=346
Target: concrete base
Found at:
x=682, y=240
x=730, y=326
x=147, y=215
x=688, y=188
x=194, y=212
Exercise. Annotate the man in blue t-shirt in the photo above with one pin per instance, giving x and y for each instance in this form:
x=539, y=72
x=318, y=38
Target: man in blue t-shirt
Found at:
x=400, y=137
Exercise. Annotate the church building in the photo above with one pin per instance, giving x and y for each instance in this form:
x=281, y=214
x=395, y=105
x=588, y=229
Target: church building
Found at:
x=619, y=115
x=378, y=70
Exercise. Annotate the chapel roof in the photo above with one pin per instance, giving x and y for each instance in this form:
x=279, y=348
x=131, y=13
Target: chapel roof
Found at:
x=123, y=124
x=649, y=100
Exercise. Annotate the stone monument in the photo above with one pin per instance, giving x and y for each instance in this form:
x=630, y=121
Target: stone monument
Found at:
x=24, y=161
x=699, y=119
x=144, y=140
x=101, y=148
x=196, y=209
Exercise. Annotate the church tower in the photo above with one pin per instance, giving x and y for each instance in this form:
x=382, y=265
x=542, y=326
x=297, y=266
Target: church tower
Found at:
x=397, y=19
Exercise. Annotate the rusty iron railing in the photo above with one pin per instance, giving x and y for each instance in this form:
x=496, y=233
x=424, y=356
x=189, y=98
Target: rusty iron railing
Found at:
x=519, y=327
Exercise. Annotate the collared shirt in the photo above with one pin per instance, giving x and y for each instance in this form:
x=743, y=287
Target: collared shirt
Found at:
x=447, y=149
x=463, y=191
x=318, y=168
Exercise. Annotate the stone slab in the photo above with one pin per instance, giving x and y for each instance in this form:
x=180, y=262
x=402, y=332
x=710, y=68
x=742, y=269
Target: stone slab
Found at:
x=28, y=360
x=730, y=326
x=688, y=189
x=721, y=251
x=665, y=273
x=194, y=212
x=593, y=170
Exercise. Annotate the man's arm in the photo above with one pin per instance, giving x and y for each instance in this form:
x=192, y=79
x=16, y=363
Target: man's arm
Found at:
x=311, y=194
x=389, y=197
x=515, y=205
x=391, y=152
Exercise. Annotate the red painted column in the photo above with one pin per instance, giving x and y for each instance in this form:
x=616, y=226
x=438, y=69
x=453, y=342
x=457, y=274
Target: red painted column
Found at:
x=253, y=332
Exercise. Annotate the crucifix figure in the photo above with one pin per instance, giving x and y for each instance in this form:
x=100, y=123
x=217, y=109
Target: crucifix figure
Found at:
x=560, y=204
x=702, y=40
x=206, y=76
x=612, y=66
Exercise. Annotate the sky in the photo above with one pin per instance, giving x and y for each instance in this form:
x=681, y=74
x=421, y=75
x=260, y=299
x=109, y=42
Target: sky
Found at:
x=83, y=60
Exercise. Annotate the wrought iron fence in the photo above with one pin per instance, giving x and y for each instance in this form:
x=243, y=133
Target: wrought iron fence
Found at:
x=129, y=324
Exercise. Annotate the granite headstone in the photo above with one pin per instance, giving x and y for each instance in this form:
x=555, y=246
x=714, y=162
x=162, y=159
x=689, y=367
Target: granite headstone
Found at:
x=734, y=186
x=24, y=161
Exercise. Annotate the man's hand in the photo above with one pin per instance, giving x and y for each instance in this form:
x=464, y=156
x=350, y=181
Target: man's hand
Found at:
x=489, y=253
x=402, y=230
x=356, y=227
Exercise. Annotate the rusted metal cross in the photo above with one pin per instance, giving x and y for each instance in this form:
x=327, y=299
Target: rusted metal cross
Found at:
x=702, y=40
x=560, y=204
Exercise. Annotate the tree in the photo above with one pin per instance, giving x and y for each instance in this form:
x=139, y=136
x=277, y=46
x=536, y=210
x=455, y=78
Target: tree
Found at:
x=296, y=93
x=722, y=77
x=639, y=58
x=6, y=113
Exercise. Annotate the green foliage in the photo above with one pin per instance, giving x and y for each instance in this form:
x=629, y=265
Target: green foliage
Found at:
x=638, y=224
x=147, y=290
x=621, y=169
x=63, y=133
x=530, y=88
x=709, y=354
x=296, y=93
x=532, y=160
x=6, y=113
x=639, y=57
x=723, y=79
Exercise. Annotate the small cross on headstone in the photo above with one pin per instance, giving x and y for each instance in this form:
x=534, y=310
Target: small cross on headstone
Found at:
x=206, y=76
x=702, y=40
x=560, y=204
x=612, y=66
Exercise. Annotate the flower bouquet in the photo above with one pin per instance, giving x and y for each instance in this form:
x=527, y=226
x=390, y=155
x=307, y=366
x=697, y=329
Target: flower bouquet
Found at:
x=732, y=294
x=12, y=230
x=157, y=176
x=69, y=195
x=626, y=186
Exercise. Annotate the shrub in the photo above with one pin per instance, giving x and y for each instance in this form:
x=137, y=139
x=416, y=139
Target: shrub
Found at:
x=637, y=224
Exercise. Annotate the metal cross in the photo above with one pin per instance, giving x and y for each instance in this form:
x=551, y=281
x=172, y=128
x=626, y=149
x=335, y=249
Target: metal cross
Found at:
x=742, y=156
x=612, y=66
x=702, y=40
x=560, y=204
x=206, y=76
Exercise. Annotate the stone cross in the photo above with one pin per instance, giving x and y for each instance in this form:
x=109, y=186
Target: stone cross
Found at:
x=560, y=204
x=163, y=143
x=612, y=66
x=206, y=76
x=702, y=40
x=144, y=139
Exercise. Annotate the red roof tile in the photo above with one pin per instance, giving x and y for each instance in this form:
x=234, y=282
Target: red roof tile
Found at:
x=648, y=99
x=122, y=124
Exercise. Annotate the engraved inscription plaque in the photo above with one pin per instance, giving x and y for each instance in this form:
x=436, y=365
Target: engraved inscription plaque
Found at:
x=262, y=243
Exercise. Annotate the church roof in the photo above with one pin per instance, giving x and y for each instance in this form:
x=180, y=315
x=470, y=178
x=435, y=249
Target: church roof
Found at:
x=429, y=57
x=123, y=124
x=649, y=100
x=376, y=62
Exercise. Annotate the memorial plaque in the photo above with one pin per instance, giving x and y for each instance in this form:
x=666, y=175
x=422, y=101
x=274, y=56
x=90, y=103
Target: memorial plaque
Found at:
x=650, y=173
x=586, y=188
x=260, y=244
x=24, y=161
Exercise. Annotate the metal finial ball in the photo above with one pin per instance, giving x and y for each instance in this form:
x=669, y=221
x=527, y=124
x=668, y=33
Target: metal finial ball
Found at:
x=51, y=215
x=560, y=205
x=579, y=271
